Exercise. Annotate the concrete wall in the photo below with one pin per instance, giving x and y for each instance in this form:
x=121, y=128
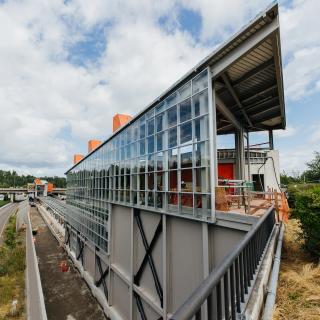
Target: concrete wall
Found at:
x=183, y=255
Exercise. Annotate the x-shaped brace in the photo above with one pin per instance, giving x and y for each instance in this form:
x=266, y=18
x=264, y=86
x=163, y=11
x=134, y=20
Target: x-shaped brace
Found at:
x=103, y=275
x=148, y=255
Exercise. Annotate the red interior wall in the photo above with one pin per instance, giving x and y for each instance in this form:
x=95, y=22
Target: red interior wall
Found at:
x=225, y=171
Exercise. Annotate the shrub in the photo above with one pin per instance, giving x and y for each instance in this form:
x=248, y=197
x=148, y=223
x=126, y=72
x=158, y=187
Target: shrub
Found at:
x=307, y=209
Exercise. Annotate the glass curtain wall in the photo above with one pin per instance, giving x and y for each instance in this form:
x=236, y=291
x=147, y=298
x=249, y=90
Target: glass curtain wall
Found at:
x=160, y=161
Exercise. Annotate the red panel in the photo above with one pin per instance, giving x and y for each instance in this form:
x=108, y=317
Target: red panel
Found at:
x=225, y=171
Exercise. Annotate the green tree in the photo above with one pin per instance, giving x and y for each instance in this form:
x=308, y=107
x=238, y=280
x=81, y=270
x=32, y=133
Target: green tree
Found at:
x=312, y=174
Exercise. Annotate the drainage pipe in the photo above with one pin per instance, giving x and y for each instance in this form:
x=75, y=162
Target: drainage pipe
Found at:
x=273, y=282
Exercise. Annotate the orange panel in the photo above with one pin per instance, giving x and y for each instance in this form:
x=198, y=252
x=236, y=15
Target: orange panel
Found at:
x=38, y=181
x=119, y=120
x=93, y=144
x=225, y=171
x=77, y=158
x=50, y=187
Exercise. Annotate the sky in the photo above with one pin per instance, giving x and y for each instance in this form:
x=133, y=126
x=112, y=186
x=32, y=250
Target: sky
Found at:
x=66, y=67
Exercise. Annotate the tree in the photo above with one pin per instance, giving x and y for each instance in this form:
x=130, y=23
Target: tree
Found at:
x=312, y=174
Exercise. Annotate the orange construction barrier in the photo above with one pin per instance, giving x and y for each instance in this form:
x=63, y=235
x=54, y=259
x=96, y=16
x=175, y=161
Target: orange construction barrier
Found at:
x=284, y=210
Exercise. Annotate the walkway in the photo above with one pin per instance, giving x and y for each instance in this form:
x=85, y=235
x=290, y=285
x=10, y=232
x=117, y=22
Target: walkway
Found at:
x=66, y=294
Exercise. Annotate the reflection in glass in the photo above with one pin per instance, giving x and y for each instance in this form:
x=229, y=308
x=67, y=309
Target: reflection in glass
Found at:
x=173, y=158
x=159, y=122
x=186, y=156
x=186, y=132
x=172, y=116
x=185, y=110
x=186, y=180
x=172, y=137
x=173, y=180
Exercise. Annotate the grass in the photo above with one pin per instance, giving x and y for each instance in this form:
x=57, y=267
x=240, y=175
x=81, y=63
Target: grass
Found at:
x=12, y=267
x=3, y=202
x=298, y=295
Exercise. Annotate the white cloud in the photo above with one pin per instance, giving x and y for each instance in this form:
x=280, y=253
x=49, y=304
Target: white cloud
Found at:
x=288, y=132
x=300, y=45
x=43, y=95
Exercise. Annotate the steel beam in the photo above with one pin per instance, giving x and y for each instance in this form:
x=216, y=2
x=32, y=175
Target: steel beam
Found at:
x=252, y=73
x=278, y=64
x=227, y=113
x=235, y=97
x=213, y=144
x=266, y=31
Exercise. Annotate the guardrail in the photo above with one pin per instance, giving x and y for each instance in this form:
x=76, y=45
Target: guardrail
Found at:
x=35, y=302
x=224, y=292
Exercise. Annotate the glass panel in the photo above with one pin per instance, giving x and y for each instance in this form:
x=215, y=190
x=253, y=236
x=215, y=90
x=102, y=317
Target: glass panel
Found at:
x=200, y=103
x=172, y=99
x=150, y=114
x=200, y=82
x=159, y=200
x=186, y=180
x=185, y=110
x=160, y=141
x=142, y=130
x=142, y=198
x=172, y=116
x=172, y=137
x=201, y=128
x=160, y=107
x=186, y=156
x=142, y=147
x=160, y=181
x=202, y=180
x=150, y=127
x=134, y=182
x=160, y=122
x=150, y=181
x=173, y=201
x=185, y=91
x=173, y=180
x=173, y=159
x=151, y=162
x=201, y=156
x=150, y=199
x=187, y=200
x=142, y=183
x=160, y=161
x=186, y=132
x=151, y=144
x=142, y=164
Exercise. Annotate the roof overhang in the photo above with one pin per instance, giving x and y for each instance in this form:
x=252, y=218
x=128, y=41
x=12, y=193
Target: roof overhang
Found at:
x=247, y=76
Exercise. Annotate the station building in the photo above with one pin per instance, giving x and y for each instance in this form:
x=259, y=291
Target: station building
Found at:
x=151, y=186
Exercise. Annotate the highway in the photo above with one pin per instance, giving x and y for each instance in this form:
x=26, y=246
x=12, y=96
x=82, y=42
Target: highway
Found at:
x=5, y=212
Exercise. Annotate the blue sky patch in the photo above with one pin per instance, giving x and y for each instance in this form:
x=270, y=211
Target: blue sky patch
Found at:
x=90, y=48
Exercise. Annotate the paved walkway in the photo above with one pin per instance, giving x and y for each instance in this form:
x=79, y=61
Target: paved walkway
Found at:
x=66, y=294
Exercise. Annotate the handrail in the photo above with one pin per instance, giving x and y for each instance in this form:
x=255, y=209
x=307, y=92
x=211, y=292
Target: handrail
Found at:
x=193, y=304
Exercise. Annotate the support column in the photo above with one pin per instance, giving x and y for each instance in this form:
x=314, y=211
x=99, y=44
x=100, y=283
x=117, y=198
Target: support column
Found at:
x=11, y=197
x=240, y=157
x=248, y=156
x=271, y=146
x=212, y=143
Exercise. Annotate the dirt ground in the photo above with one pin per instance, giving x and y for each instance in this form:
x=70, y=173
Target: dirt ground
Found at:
x=298, y=295
x=66, y=294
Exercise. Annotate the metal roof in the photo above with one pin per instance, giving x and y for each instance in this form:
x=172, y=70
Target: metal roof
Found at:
x=248, y=80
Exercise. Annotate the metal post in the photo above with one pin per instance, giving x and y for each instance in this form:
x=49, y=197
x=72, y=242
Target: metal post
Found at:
x=213, y=143
x=271, y=146
x=249, y=171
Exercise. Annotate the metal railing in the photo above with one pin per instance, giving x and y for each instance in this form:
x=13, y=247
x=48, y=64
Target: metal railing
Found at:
x=225, y=291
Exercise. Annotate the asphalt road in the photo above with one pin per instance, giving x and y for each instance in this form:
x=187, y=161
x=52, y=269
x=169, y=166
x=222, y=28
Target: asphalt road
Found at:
x=4, y=215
